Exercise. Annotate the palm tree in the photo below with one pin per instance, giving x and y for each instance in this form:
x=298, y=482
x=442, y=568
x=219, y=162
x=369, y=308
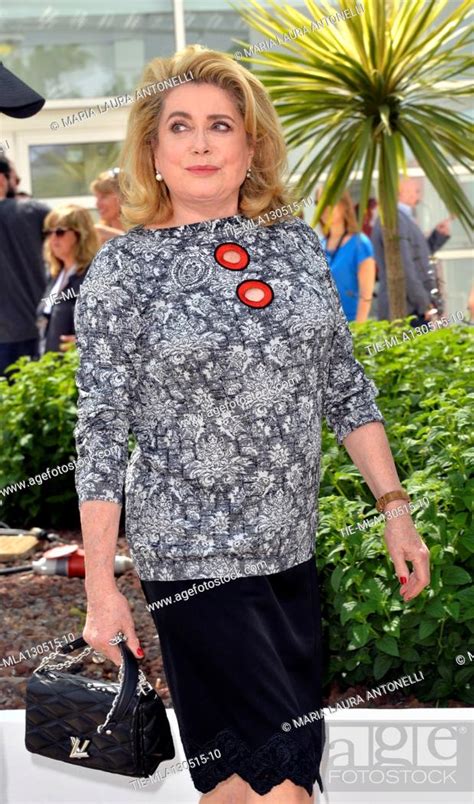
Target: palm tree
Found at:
x=360, y=90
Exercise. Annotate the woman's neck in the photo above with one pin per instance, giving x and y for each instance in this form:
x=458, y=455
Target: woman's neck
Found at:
x=115, y=223
x=68, y=262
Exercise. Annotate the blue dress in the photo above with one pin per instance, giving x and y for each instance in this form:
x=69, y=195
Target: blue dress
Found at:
x=344, y=268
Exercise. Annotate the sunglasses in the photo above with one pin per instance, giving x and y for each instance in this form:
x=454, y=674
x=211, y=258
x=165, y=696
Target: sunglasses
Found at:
x=59, y=231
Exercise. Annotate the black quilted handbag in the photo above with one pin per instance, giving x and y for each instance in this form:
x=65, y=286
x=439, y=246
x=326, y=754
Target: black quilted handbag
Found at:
x=118, y=727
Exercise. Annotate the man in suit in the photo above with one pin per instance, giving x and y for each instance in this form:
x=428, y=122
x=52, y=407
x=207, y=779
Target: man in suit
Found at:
x=415, y=250
x=22, y=270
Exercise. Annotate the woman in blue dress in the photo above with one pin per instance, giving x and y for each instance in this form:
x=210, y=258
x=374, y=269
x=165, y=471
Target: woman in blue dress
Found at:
x=350, y=255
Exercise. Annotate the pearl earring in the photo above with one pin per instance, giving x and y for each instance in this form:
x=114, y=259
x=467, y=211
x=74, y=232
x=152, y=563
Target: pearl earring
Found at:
x=249, y=173
x=158, y=175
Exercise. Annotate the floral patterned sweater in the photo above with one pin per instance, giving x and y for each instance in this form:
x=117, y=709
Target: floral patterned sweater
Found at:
x=220, y=348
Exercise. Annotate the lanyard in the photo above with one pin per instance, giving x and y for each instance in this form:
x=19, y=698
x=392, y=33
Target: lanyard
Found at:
x=330, y=258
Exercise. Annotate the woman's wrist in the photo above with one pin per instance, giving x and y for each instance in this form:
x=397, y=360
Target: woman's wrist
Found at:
x=398, y=494
x=396, y=509
x=99, y=588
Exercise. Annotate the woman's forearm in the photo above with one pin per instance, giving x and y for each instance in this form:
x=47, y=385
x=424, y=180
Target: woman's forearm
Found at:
x=100, y=523
x=363, y=310
x=366, y=282
x=369, y=450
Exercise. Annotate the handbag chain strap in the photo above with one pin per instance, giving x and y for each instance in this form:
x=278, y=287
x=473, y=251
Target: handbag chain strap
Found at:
x=45, y=663
x=143, y=685
x=102, y=726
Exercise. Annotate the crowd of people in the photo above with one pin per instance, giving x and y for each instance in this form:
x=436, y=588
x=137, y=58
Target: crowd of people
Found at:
x=357, y=260
x=44, y=257
x=46, y=252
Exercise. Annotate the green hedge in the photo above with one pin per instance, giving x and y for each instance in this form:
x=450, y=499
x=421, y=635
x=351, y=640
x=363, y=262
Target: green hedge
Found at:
x=371, y=634
x=37, y=418
x=374, y=636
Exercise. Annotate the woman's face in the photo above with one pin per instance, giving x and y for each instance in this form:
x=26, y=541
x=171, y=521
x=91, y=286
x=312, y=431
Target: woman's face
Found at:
x=202, y=150
x=336, y=217
x=63, y=246
x=108, y=206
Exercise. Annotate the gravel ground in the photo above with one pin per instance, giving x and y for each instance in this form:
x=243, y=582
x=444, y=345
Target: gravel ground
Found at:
x=38, y=608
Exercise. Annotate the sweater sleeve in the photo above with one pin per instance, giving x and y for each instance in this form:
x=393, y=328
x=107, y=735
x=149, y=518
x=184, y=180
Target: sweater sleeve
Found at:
x=349, y=395
x=107, y=328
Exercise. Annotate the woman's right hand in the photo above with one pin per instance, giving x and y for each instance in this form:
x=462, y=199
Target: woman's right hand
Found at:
x=108, y=613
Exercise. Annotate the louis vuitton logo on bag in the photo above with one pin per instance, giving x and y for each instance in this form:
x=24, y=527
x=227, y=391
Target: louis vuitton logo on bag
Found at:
x=78, y=751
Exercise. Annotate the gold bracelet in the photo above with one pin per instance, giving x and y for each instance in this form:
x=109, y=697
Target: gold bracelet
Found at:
x=398, y=494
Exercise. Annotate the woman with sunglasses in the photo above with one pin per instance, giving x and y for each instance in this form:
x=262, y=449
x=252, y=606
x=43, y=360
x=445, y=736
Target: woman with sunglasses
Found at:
x=108, y=199
x=71, y=243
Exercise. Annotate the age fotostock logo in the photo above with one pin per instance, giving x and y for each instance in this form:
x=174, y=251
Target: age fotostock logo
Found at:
x=400, y=756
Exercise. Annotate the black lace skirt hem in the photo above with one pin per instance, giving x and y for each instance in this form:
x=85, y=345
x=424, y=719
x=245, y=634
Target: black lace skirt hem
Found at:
x=283, y=757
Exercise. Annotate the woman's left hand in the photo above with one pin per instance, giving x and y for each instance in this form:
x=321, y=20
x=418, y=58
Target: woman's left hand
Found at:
x=404, y=544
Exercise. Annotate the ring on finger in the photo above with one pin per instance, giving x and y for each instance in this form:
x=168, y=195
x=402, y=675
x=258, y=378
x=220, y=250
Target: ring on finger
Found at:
x=119, y=637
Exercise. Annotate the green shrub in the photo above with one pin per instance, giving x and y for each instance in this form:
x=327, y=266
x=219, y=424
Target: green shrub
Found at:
x=426, y=398
x=37, y=418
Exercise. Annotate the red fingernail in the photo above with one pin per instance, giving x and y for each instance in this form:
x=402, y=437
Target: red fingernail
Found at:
x=140, y=652
x=403, y=579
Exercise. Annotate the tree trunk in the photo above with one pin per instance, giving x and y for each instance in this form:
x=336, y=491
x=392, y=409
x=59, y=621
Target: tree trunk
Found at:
x=395, y=274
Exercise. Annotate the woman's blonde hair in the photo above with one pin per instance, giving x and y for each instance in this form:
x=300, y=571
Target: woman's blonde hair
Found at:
x=350, y=217
x=71, y=216
x=106, y=182
x=146, y=200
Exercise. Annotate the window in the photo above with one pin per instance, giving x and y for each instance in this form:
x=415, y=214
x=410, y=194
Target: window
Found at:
x=82, y=48
x=68, y=169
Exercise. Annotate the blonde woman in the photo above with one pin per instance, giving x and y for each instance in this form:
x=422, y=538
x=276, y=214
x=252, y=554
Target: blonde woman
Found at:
x=107, y=196
x=221, y=352
x=71, y=244
x=350, y=256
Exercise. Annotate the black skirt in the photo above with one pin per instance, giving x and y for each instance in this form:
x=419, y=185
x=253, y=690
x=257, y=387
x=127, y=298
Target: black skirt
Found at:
x=243, y=665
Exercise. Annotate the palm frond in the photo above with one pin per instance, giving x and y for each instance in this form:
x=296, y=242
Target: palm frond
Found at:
x=358, y=93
